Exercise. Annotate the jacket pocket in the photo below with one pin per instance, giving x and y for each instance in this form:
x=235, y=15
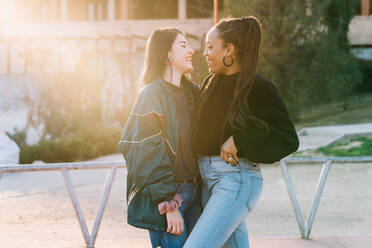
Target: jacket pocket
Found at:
x=143, y=213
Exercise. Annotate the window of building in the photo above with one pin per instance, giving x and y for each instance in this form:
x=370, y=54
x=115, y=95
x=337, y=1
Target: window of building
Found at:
x=153, y=9
x=168, y=9
x=201, y=8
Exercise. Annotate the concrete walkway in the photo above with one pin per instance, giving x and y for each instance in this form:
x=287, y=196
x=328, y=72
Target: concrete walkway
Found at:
x=324, y=242
x=36, y=211
x=314, y=137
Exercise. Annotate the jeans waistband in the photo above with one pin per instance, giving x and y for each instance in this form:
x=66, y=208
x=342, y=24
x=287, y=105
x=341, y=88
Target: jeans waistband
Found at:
x=194, y=181
x=246, y=162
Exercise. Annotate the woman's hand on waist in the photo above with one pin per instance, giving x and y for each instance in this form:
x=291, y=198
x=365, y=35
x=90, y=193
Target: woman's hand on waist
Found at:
x=229, y=152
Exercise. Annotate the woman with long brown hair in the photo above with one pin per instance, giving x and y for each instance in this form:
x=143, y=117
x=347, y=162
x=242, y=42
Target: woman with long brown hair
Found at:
x=163, y=194
x=240, y=122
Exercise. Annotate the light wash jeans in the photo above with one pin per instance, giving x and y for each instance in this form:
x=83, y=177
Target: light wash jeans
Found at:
x=190, y=211
x=229, y=193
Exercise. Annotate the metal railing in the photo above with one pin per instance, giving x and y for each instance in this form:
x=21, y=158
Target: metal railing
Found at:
x=305, y=227
x=90, y=238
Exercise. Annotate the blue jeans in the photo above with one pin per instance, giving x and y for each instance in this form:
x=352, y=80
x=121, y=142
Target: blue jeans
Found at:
x=229, y=193
x=190, y=211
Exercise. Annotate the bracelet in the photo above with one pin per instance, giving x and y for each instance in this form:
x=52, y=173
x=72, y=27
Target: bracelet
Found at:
x=171, y=205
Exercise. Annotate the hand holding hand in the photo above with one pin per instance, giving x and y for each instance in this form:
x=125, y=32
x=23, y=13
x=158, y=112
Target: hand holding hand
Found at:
x=229, y=152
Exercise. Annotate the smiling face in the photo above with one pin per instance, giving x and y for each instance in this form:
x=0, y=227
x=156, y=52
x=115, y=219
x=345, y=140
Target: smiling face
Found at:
x=214, y=52
x=180, y=55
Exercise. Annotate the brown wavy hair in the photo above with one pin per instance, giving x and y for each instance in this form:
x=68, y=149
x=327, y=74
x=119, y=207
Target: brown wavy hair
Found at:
x=245, y=34
x=156, y=54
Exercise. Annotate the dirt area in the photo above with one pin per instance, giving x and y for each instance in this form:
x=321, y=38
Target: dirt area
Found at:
x=36, y=210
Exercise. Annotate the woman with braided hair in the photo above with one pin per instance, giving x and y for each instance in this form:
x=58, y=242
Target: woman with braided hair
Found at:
x=240, y=122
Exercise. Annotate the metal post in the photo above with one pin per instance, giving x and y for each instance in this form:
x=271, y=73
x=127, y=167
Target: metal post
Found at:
x=365, y=5
x=100, y=13
x=124, y=9
x=111, y=10
x=63, y=10
x=44, y=12
x=105, y=195
x=181, y=9
x=53, y=10
x=305, y=227
x=292, y=195
x=91, y=14
x=318, y=195
x=75, y=203
x=215, y=11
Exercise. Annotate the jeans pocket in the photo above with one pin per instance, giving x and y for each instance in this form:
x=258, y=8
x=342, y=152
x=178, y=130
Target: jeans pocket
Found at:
x=229, y=184
x=255, y=192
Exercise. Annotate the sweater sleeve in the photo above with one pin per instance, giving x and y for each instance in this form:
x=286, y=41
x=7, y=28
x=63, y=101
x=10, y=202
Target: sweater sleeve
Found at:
x=266, y=104
x=145, y=151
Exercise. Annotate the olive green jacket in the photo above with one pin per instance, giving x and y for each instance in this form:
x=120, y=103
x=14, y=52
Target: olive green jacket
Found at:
x=149, y=145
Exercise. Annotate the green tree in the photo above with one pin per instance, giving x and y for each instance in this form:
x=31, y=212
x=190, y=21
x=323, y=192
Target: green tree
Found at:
x=338, y=15
x=303, y=49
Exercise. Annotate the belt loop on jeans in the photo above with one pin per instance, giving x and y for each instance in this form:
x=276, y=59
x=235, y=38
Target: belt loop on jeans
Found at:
x=194, y=181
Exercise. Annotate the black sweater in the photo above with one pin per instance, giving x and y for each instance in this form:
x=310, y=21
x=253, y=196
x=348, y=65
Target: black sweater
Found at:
x=212, y=116
x=265, y=104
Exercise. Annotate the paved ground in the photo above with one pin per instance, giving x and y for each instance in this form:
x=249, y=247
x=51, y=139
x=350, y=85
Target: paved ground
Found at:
x=36, y=211
x=317, y=242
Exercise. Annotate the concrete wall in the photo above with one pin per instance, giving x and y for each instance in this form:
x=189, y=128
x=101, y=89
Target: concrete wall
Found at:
x=360, y=36
x=54, y=38
x=49, y=48
x=13, y=113
x=360, y=31
x=106, y=28
x=22, y=46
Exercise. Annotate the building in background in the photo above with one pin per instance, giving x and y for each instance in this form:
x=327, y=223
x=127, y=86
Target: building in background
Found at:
x=39, y=38
x=53, y=28
x=50, y=36
x=360, y=30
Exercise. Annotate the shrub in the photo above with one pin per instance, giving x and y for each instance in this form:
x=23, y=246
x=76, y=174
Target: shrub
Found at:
x=67, y=149
x=88, y=143
x=18, y=136
x=366, y=83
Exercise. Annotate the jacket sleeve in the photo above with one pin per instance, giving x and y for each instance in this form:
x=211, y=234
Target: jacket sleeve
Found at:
x=145, y=152
x=281, y=139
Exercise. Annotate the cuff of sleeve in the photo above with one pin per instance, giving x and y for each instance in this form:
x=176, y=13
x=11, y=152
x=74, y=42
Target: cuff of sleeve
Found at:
x=238, y=141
